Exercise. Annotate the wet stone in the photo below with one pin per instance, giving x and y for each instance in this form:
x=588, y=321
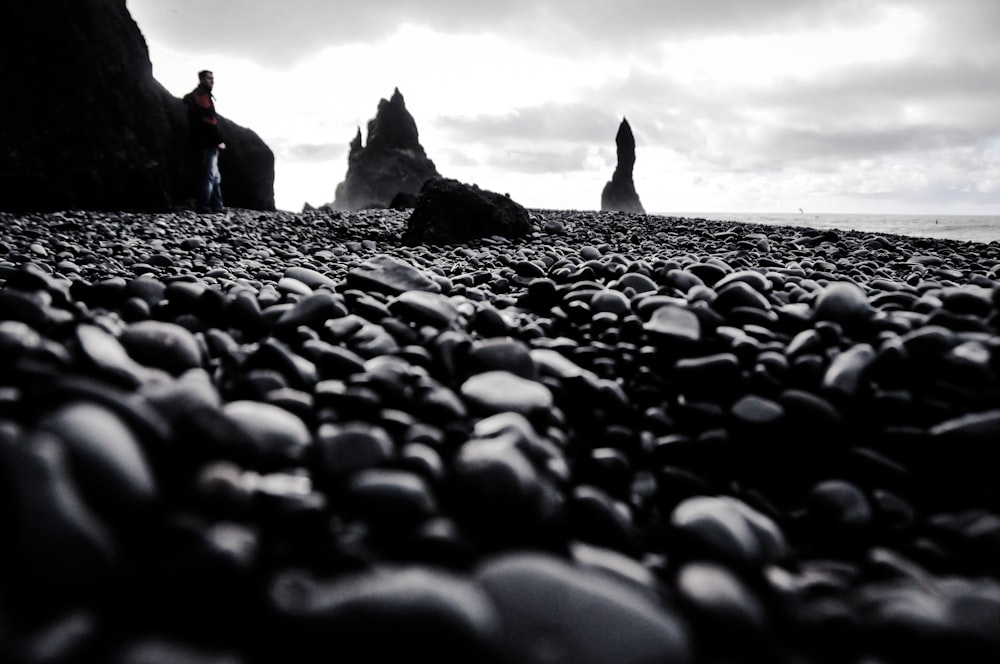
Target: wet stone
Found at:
x=111, y=464
x=728, y=530
x=384, y=495
x=844, y=303
x=162, y=345
x=723, y=602
x=558, y=613
x=345, y=448
x=431, y=615
x=276, y=433
x=674, y=324
x=423, y=308
x=499, y=391
x=390, y=275
x=502, y=354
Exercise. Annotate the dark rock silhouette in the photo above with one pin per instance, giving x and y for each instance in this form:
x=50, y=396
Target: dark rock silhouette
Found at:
x=84, y=125
x=619, y=194
x=391, y=162
x=451, y=212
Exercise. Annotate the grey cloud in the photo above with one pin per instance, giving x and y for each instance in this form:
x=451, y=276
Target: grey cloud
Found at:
x=559, y=122
x=552, y=160
x=283, y=32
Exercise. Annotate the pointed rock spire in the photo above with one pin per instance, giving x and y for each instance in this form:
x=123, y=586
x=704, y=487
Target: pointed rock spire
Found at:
x=619, y=194
x=391, y=161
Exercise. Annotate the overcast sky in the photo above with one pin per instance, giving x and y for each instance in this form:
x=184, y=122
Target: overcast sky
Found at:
x=871, y=106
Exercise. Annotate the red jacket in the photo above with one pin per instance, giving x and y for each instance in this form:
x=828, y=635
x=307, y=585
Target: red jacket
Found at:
x=202, y=120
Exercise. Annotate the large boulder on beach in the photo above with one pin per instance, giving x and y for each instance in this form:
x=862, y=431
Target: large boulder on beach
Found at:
x=452, y=212
x=84, y=125
x=619, y=194
x=390, y=166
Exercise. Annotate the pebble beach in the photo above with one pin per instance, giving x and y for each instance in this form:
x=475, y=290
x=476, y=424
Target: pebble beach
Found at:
x=277, y=437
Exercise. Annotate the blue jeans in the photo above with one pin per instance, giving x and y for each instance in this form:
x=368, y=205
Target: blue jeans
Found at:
x=210, y=182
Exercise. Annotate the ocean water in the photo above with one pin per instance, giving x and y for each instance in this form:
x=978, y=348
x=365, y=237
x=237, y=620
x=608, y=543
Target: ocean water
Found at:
x=971, y=228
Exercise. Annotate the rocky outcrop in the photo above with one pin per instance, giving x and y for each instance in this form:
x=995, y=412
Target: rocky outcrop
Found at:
x=390, y=163
x=451, y=212
x=619, y=194
x=84, y=125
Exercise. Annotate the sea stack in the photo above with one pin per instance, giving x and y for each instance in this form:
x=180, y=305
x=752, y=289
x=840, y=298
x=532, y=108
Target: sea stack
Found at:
x=390, y=166
x=619, y=194
x=86, y=126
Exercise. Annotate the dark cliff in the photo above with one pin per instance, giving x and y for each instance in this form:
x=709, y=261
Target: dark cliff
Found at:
x=84, y=125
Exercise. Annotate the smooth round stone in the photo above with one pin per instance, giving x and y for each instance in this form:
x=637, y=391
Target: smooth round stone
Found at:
x=313, y=310
x=752, y=278
x=727, y=529
x=949, y=619
x=553, y=363
x=610, y=301
x=109, y=357
x=845, y=304
x=54, y=541
x=739, y=294
x=553, y=612
x=554, y=227
x=388, y=614
x=311, y=278
x=372, y=341
x=600, y=520
x=499, y=391
x=111, y=462
x=332, y=361
x=715, y=374
x=424, y=308
x=674, y=323
x=147, y=289
x=502, y=354
x=978, y=428
x=422, y=459
x=709, y=273
x=809, y=408
x=345, y=448
x=839, y=507
x=163, y=345
x=276, y=433
x=722, y=602
x=390, y=275
x=148, y=649
x=18, y=339
x=618, y=566
x=517, y=430
x=501, y=494
x=386, y=495
x=846, y=374
x=639, y=283
x=757, y=411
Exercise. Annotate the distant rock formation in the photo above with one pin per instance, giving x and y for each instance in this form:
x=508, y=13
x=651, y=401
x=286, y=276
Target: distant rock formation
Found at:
x=451, y=212
x=392, y=161
x=619, y=194
x=84, y=125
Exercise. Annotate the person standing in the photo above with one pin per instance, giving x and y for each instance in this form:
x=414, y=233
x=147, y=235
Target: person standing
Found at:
x=204, y=126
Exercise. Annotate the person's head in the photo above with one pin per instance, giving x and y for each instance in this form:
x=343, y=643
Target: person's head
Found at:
x=206, y=78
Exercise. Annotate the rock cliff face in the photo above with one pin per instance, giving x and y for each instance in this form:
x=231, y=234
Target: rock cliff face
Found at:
x=619, y=194
x=84, y=125
x=390, y=163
